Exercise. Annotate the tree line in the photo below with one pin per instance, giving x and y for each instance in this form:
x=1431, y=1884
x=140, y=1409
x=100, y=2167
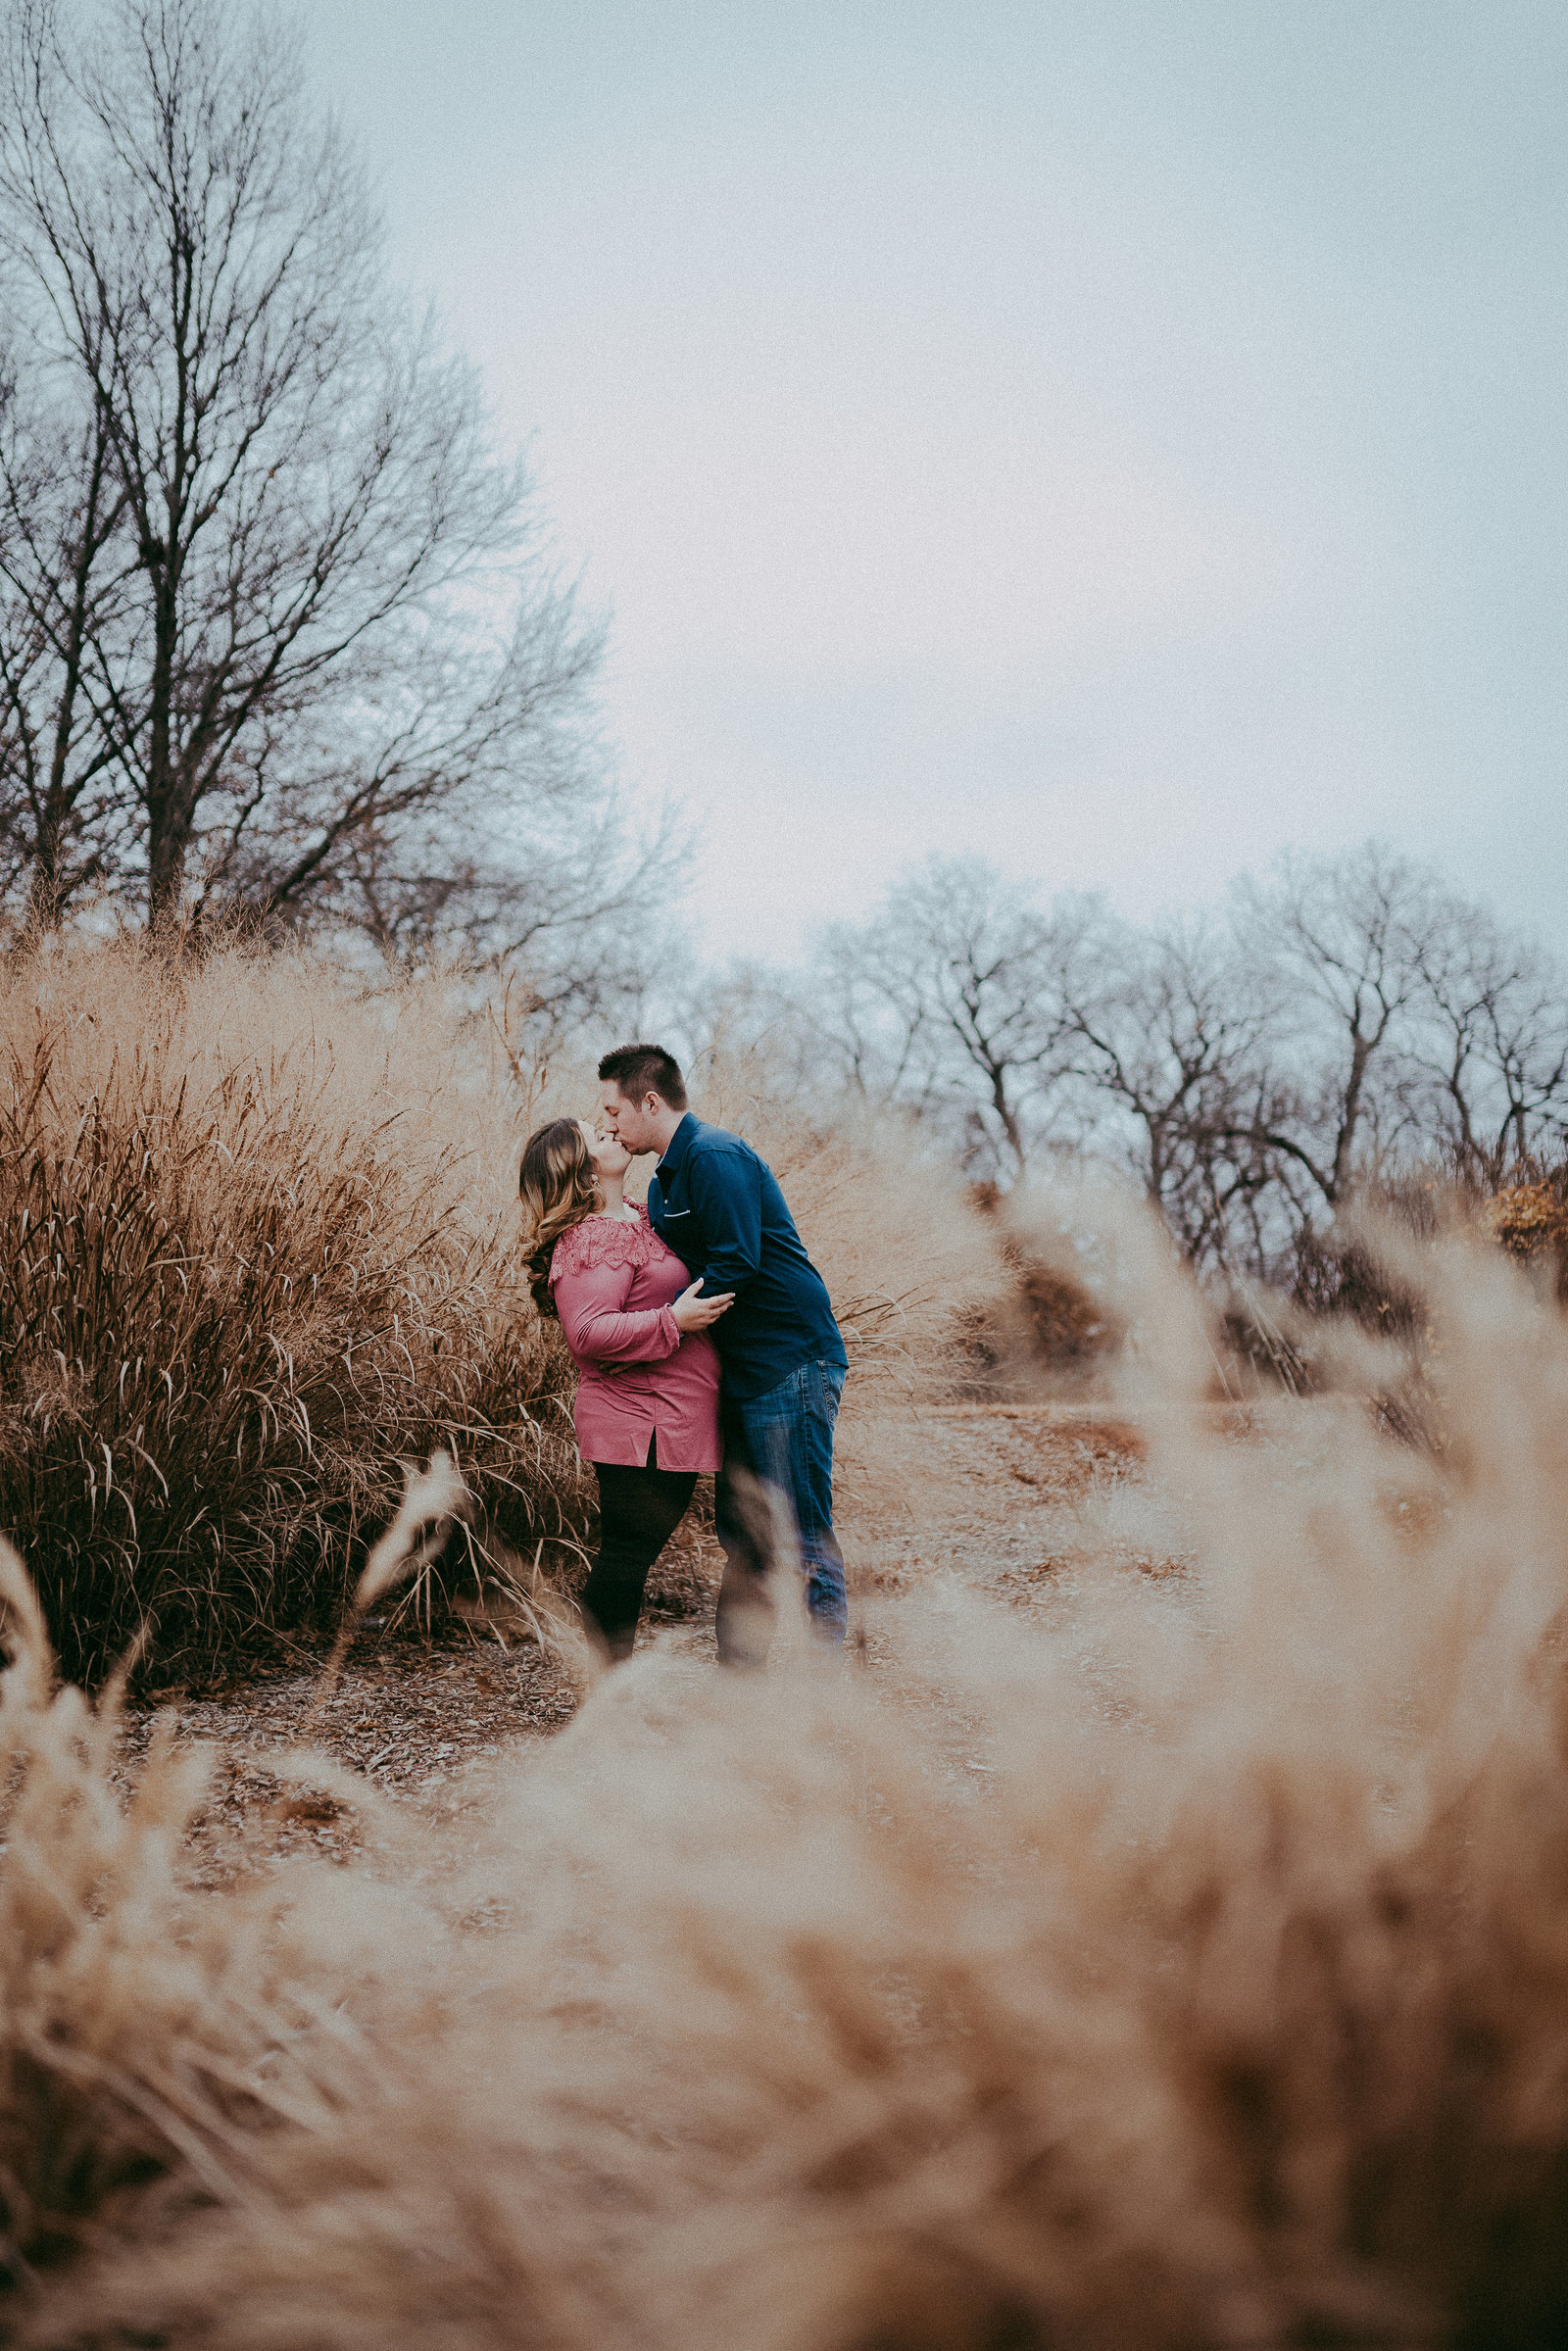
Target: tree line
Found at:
x=280, y=633
x=1343, y=1022
x=281, y=640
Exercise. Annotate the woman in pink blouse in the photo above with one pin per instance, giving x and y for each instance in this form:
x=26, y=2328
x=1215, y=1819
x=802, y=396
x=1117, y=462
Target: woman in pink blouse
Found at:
x=647, y=1407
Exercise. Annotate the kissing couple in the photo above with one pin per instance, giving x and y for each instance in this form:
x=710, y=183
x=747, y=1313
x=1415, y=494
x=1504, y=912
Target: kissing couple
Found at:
x=704, y=1340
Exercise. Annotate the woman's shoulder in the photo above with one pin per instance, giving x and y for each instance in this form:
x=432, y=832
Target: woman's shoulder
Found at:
x=601, y=1240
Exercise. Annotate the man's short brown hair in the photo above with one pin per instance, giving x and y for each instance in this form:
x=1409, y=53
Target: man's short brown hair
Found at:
x=639, y=1070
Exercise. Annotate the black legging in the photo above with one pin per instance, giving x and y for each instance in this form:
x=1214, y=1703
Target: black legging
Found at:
x=639, y=1510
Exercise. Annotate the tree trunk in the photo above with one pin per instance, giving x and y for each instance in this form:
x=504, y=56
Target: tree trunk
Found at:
x=1361, y=1048
x=1004, y=1111
x=168, y=837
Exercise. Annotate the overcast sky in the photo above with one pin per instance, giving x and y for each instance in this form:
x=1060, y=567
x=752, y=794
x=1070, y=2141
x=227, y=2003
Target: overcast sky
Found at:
x=1118, y=439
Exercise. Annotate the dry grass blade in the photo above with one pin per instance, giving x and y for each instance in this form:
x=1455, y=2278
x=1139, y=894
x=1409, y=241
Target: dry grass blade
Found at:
x=432, y=1497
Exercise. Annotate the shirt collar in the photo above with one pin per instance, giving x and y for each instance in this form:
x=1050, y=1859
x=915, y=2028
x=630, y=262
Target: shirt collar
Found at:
x=678, y=1145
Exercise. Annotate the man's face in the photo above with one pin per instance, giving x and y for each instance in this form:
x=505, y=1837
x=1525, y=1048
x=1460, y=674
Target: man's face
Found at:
x=629, y=1120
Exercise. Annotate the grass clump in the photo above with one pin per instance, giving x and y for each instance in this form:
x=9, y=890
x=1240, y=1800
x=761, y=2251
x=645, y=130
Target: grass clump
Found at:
x=241, y=1276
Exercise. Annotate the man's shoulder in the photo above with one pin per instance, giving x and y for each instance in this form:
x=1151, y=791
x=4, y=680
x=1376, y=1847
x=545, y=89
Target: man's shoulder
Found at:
x=717, y=1142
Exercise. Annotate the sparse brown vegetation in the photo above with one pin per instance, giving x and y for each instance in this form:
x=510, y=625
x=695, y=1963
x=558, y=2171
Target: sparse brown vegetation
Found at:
x=256, y=1247
x=1160, y=1942
x=1150, y=1959
x=1047, y=1323
x=1153, y=1934
x=1528, y=1218
x=244, y=1270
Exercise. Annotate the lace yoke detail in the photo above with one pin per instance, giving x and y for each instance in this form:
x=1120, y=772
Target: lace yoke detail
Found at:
x=602, y=1240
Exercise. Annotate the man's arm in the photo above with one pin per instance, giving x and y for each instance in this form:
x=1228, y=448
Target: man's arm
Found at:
x=726, y=1192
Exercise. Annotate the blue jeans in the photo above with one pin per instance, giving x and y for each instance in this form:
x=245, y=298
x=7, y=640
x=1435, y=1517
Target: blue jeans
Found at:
x=784, y=1440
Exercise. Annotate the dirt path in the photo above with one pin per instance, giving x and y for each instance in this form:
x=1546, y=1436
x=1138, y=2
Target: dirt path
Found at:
x=996, y=1493
x=992, y=1492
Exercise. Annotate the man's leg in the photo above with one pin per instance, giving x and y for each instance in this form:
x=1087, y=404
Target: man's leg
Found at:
x=744, y=1619
x=789, y=1438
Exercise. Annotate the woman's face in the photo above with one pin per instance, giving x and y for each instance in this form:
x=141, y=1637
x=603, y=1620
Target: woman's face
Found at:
x=610, y=1156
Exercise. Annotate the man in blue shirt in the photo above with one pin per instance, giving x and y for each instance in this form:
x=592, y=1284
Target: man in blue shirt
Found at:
x=718, y=1207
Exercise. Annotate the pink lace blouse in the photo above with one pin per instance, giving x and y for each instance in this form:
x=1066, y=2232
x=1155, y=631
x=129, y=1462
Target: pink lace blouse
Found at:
x=613, y=1284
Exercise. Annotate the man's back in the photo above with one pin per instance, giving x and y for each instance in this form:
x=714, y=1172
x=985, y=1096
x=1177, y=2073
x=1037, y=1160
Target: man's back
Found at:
x=718, y=1207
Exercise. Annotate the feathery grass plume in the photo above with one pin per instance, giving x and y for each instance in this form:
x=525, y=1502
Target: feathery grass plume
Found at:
x=432, y=1497
x=1176, y=1963
x=154, y=2033
x=516, y=1597
x=435, y=1500
x=128, y=2015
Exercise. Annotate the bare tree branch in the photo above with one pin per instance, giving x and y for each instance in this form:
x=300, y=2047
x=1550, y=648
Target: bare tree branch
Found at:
x=949, y=1001
x=287, y=636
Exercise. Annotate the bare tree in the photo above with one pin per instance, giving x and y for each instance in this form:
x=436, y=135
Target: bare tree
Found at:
x=950, y=1002
x=331, y=617
x=1253, y=1072
x=1339, y=943
x=1489, y=1063
x=866, y=1016
x=1165, y=1032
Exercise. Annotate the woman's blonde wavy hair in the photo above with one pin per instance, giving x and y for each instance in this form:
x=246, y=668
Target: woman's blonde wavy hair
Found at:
x=557, y=1188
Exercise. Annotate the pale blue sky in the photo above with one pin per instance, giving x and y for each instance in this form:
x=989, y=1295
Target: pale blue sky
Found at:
x=1118, y=438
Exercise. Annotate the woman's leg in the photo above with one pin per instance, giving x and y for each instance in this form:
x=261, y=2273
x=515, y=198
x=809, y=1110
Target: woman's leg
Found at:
x=639, y=1509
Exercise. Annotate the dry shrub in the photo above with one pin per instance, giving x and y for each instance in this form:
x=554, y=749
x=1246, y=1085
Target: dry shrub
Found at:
x=1048, y=1324
x=1185, y=1964
x=1366, y=1271
x=1528, y=1218
x=146, y=2031
x=255, y=1245
x=1346, y=1274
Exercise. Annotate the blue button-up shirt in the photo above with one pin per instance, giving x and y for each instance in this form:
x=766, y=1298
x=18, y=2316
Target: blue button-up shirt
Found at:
x=717, y=1205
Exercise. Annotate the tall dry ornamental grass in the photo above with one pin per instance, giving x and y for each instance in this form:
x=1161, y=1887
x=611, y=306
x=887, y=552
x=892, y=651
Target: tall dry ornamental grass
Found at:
x=258, y=1234
x=255, y=1245
x=1176, y=1963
